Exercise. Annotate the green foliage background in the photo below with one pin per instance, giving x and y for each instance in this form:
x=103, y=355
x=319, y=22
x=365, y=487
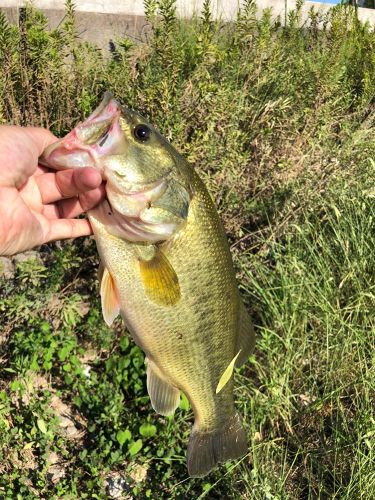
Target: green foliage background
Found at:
x=278, y=120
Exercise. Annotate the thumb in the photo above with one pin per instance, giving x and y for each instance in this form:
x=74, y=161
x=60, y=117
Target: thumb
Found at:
x=20, y=148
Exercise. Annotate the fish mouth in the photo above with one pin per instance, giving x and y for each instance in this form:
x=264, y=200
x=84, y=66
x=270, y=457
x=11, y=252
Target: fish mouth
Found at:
x=88, y=141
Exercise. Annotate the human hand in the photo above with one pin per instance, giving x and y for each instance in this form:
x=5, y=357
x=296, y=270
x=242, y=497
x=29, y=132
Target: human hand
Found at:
x=38, y=205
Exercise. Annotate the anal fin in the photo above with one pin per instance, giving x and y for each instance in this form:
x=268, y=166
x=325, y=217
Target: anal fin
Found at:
x=245, y=336
x=165, y=398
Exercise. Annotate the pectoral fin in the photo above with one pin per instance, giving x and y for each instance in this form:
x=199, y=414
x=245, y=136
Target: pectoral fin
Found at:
x=227, y=374
x=109, y=297
x=164, y=397
x=160, y=280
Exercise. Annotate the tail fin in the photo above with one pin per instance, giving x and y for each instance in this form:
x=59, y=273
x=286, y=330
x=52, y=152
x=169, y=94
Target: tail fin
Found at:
x=206, y=450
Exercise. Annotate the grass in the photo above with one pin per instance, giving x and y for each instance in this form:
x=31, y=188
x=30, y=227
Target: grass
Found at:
x=315, y=301
x=279, y=123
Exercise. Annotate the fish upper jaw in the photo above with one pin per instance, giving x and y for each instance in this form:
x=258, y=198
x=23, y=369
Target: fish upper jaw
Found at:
x=90, y=141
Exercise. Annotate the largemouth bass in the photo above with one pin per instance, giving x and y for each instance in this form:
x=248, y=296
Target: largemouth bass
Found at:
x=167, y=269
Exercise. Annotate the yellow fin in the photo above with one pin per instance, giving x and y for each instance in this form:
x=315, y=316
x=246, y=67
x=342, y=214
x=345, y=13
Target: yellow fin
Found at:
x=160, y=280
x=227, y=373
x=110, y=301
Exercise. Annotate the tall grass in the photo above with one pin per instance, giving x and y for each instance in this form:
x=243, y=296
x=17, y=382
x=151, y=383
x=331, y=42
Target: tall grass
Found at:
x=314, y=296
x=278, y=120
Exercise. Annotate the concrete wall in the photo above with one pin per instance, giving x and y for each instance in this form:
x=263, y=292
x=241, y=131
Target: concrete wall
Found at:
x=224, y=8
x=103, y=20
x=96, y=27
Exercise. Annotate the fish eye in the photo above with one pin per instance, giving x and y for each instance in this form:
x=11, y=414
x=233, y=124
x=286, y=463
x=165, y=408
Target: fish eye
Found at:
x=142, y=132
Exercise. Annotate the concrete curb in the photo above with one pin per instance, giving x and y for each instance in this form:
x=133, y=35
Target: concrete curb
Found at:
x=226, y=9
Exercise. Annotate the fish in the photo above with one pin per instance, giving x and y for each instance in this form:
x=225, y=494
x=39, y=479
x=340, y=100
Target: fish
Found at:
x=166, y=268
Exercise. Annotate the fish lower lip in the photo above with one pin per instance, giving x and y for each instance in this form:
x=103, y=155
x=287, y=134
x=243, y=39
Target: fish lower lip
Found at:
x=71, y=160
x=84, y=159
